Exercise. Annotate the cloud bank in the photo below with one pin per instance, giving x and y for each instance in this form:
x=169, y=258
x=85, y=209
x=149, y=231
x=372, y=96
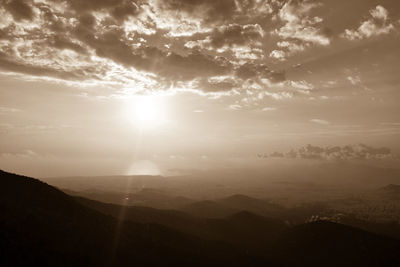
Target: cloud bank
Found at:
x=348, y=152
x=205, y=46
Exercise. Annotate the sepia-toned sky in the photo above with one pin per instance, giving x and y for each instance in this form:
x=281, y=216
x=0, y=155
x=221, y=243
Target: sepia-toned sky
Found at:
x=122, y=86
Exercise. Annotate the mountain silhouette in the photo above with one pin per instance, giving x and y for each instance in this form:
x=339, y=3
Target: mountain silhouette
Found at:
x=42, y=226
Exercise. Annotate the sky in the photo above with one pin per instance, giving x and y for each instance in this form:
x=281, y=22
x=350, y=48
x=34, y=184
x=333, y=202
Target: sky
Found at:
x=125, y=87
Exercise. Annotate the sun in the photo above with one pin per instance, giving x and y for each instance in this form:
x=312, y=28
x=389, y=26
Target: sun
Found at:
x=146, y=111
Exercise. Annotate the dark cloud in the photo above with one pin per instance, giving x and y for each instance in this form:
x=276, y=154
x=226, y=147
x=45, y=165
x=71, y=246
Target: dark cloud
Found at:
x=260, y=71
x=235, y=34
x=113, y=44
x=109, y=44
x=220, y=10
x=193, y=65
x=127, y=9
x=120, y=9
x=7, y=33
x=348, y=152
x=217, y=84
x=61, y=42
x=98, y=31
x=277, y=155
x=19, y=9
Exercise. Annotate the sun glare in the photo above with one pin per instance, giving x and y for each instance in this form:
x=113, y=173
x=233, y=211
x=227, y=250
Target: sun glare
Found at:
x=146, y=111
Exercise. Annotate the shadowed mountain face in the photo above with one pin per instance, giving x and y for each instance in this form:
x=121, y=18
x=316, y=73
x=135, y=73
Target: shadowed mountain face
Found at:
x=41, y=225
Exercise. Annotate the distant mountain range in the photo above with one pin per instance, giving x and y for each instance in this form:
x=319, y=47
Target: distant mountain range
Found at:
x=42, y=226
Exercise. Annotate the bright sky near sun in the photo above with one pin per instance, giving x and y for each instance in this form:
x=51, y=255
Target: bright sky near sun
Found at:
x=100, y=85
x=146, y=112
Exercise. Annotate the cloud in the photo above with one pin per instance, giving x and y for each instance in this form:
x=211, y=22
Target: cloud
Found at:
x=219, y=83
x=280, y=95
x=354, y=80
x=212, y=13
x=269, y=109
x=302, y=86
x=390, y=123
x=348, y=152
x=319, y=121
x=118, y=9
x=96, y=46
x=209, y=10
x=278, y=54
x=235, y=107
x=177, y=67
x=288, y=48
x=23, y=154
x=250, y=70
x=5, y=110
x=19, y=9
x=292, y=46
x=377, y=24
x=235, y=34
x=10, y=64
x=300, y=30
x=238, y=41
x=203, y=46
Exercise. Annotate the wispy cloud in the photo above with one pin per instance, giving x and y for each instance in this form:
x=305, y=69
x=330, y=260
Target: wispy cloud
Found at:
x=269, y=109
x=300, y=29
x=9, y=110
x=319, y=121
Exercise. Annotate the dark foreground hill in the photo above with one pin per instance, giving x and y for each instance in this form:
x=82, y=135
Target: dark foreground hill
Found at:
x=42, y=226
